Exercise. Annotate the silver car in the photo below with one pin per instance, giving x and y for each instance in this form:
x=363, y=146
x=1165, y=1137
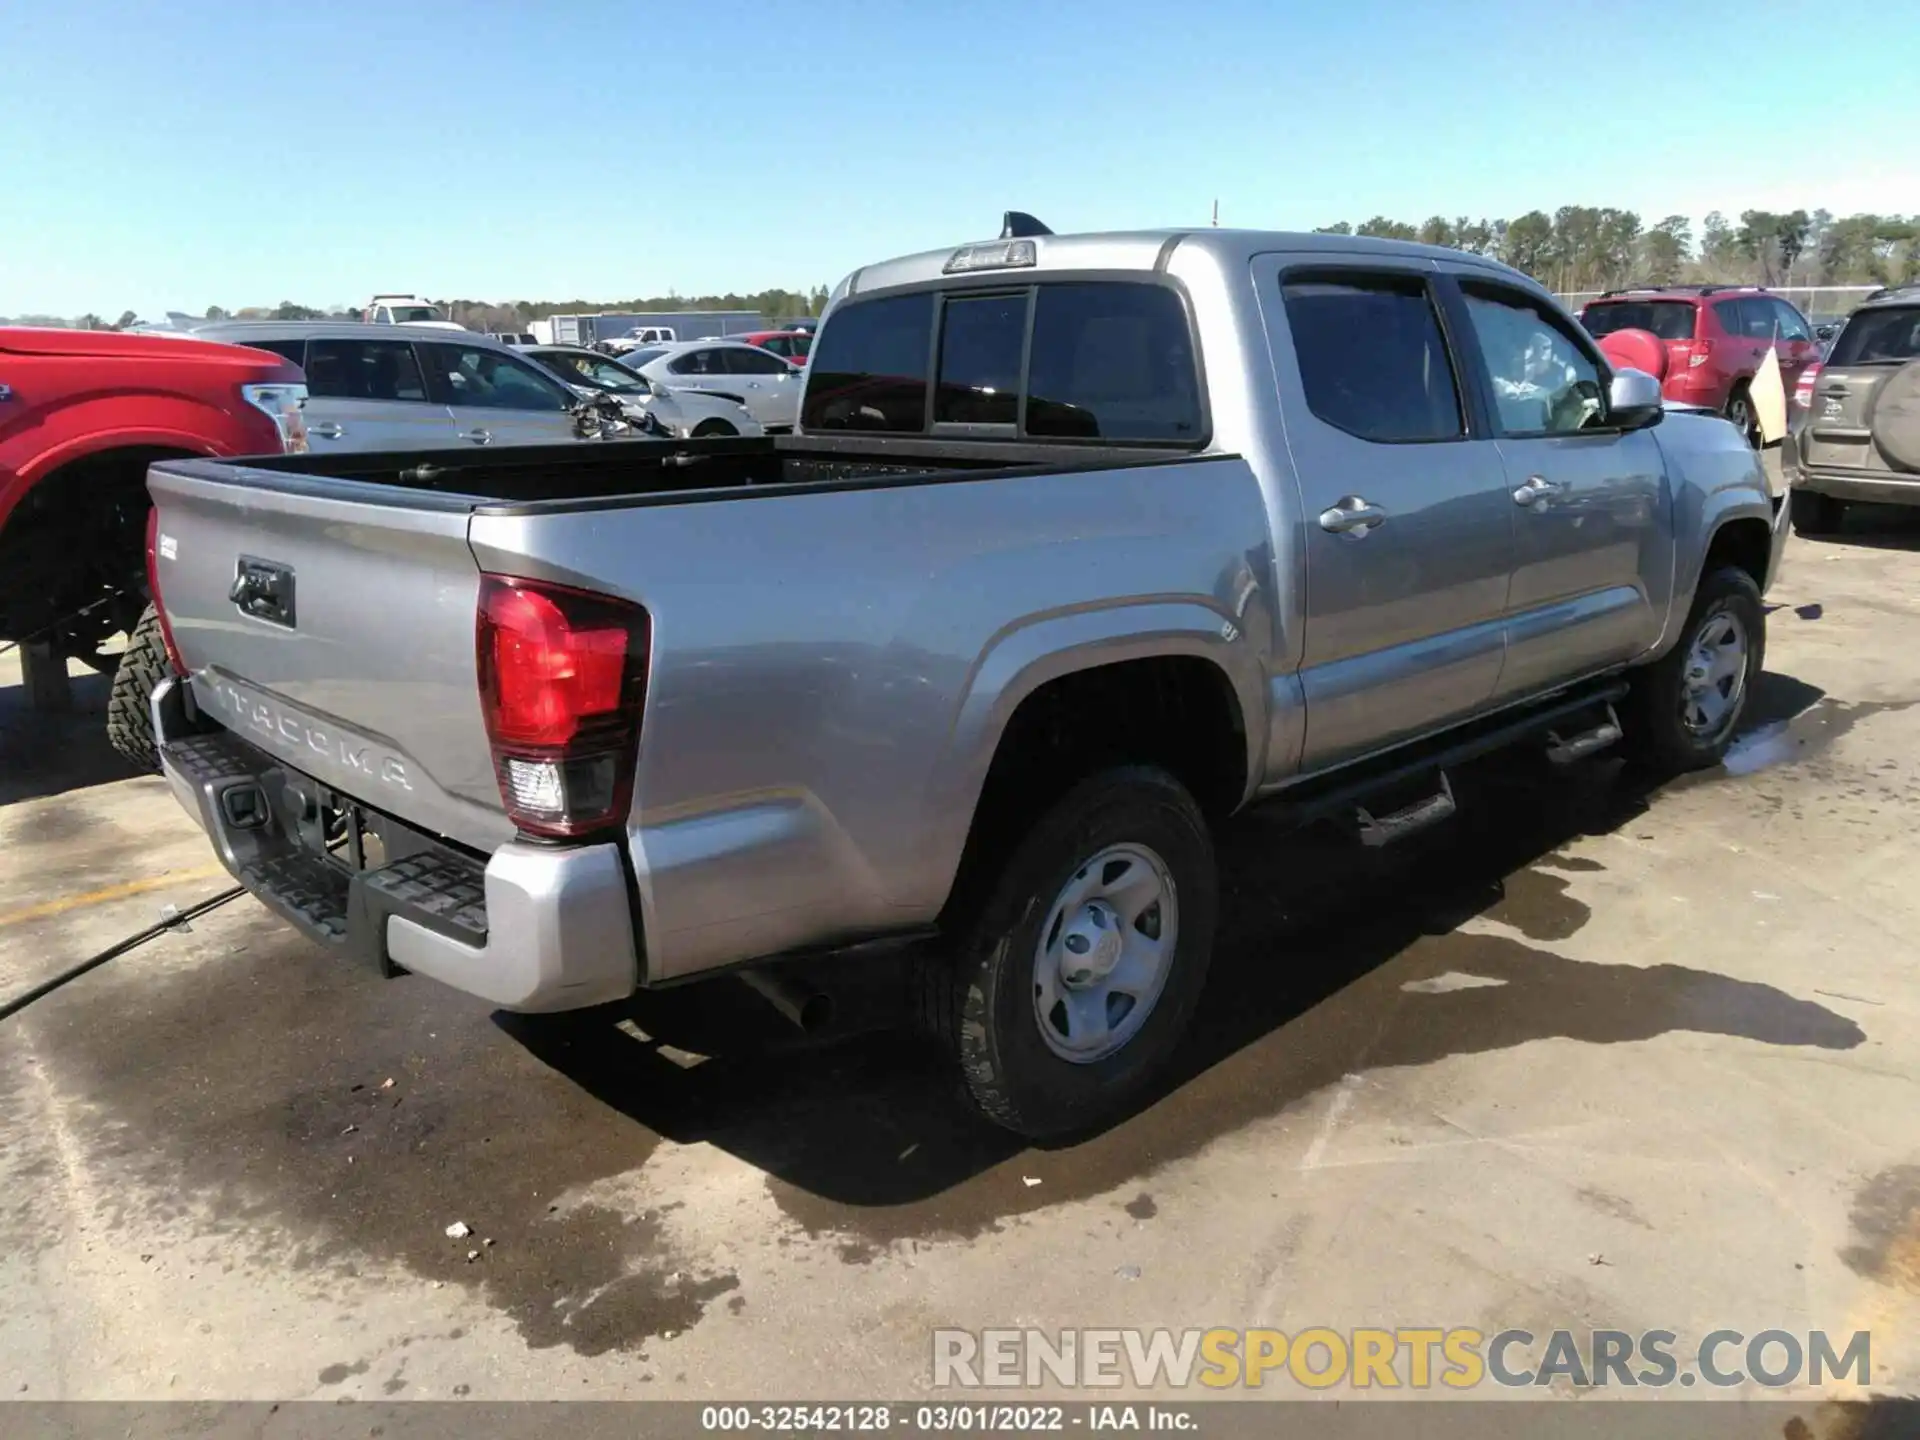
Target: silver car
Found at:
x=687, y=413
x=381, y=387
x=767, y=385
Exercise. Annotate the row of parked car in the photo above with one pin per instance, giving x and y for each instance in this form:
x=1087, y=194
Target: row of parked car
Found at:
x=1854, y=413
x=388, y=387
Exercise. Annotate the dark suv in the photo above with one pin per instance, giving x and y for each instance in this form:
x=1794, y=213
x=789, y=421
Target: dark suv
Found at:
x=1712, y=340
x=1855, y=420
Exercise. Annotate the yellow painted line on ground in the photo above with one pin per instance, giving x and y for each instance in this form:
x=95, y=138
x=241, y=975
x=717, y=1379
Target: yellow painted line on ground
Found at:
x=47, y=908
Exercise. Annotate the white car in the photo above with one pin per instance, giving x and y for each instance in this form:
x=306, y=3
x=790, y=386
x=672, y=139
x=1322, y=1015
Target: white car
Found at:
x=688, y=413
x=767, y=385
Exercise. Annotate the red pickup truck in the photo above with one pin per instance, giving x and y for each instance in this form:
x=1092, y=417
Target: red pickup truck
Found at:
x=82, y=415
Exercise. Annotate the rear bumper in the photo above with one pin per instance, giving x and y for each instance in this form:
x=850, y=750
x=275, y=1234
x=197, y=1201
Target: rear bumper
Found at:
x=532, y=928
x=1886, y=489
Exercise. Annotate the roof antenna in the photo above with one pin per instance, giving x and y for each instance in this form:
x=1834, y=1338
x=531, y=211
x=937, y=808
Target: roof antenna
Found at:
x=1017, y=225
x=1216, y=214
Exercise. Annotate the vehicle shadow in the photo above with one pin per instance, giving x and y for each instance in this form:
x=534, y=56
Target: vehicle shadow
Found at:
x=1869, y=526
x=45, y=752
x=1321, y=941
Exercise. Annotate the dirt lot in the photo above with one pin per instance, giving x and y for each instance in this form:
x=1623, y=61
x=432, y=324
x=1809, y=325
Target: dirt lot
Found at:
x=1588, y=1058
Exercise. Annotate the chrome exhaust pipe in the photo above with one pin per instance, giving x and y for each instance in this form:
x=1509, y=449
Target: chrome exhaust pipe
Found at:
x=808, y=1009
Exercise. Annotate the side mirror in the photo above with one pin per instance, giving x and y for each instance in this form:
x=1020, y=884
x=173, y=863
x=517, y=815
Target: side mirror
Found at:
x=1823, y=332
x=1634, y=400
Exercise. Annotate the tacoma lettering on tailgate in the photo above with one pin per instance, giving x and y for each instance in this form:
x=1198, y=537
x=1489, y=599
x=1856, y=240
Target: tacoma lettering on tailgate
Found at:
x=290, y=732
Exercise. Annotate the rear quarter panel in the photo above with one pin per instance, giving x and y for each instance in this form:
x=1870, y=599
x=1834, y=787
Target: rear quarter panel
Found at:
x=831, y=672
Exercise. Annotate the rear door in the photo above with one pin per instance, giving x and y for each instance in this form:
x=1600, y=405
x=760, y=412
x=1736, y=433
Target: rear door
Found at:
x=1593, y=549
x=1409, y=528
x=370, y=395
x=1839, y=430
x=772, y=386
x=496, y=398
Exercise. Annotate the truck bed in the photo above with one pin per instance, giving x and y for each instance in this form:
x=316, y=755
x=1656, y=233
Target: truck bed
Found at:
x=634, y=472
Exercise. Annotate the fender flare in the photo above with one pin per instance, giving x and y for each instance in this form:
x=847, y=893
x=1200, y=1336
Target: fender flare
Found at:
x=97, y=442
x=1031, y=653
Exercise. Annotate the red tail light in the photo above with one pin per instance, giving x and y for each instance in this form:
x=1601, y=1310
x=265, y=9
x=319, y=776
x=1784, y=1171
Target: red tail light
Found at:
x=1803, y=391
x=563, y=678
x=153, y=589
x=1699, y=353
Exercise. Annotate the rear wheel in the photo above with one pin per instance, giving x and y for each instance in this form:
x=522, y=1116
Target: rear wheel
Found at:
x=1684, y=708
x=710, y=429
x=129, y=714
x=1073, y=986
x=1740, y=411
x=1816, y=514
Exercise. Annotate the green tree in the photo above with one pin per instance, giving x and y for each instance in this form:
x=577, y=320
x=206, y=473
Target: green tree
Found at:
x=1666, y=249
x=1438, y=230
x=90, y=321
x=287, y=310
x=1528, y=243
x=1385, y=229
x=1719, y=250
x=214, y=312
x=1339, y=227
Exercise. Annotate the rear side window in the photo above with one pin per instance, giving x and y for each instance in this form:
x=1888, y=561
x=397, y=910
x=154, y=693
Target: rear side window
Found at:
x=870, y=367
x=754, y=361
x=1878, y=337
x=363, y=370
x=1372, y=359
x=1727, y=312
x=294, y=350
x=1668, y=319
x=1112, y=362
x=981, y=337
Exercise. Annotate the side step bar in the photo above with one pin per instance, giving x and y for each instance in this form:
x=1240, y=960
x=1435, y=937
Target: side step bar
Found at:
x=1376, y=831
x=1585, y=742
x=1344, y=793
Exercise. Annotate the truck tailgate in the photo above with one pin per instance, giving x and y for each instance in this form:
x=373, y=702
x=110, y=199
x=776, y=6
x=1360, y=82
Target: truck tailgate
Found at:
x=332, y=623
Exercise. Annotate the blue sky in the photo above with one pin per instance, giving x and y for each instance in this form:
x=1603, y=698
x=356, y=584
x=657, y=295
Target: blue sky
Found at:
x=177, y=156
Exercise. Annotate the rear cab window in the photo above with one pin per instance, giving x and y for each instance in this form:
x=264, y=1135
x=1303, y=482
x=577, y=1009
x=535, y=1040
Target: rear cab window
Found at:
x=1097, y=360
x=1666, y=319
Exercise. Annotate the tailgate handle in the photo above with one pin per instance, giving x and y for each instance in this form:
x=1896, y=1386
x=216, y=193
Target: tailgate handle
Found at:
x=263, y=589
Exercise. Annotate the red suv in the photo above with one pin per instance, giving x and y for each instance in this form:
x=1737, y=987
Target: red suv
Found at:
x=1703, y=342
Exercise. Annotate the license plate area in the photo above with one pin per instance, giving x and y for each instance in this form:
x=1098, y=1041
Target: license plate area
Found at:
x=332, y=826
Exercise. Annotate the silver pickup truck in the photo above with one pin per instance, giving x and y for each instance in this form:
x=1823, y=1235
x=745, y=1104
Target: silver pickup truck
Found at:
x=1085, y=542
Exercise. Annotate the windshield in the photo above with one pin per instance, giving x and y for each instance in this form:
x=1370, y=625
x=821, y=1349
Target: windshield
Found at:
x=1879, y=337
x=1668, y=319
x=597, y=371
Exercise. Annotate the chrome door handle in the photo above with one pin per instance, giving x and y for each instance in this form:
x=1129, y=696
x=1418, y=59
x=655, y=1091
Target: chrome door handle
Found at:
x=478, y=437
x=6, y=391
x=325, y=430
x=1538, y=488
x=1352, y=515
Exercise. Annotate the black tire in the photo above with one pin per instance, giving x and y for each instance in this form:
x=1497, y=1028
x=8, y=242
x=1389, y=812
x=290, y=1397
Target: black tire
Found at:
x=709, y=429
x=129, y=716
x=985, y=1002
x=1657, y=736
x=1740, y=412
x=1816, y=514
